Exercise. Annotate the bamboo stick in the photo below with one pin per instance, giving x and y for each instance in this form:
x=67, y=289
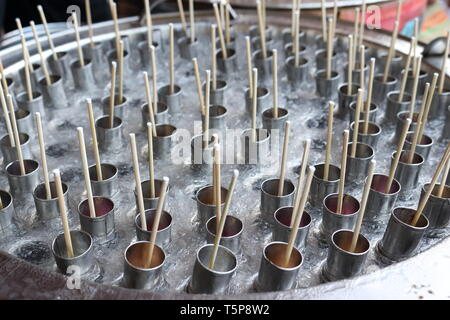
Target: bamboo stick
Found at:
x=47, y=31
x=284, y=154
x=326, y=167
x=137, y=178
x=48, y=191
x=343, y=169
x=16, y=135
x=98, y=164
x=63, y=214
x=305, y=157
x=87, y=178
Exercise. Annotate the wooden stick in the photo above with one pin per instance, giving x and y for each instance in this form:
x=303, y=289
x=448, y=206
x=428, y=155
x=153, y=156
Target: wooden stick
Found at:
x=41, y=55
x=355, y=35
x=218, y=183
x=398, y=153
x=263, y=7
x=369, y=95
x=222, y=12
x=87, y=178
x=198, y=82
x=428, y=105
x=182, y=17
x=275, y=83
x=27, y=68
x=365, y=196
x=223, y=219
x=326, y=167
x=191, y=20
x=98, y=165
x=363, y=23
x=151, y=171
x=47, y=32
x=155, y=225
x=113, y=8
x=77, y=35
x=206, y=123
x=287, y=127
x=443, y=179
x=298, y=216
x=213, y=57
x=293, y=20
x=24, y=44
x=359, y=102
x=343, y=169
x=137, y=178
x=405, y=71
x=220, y=30
x=423, y=202
x=391, y=51
x=63, y=213
x=262, y=34
x=248, y=52
x=306, y=149
x=444, y=64
x=16, y=135
x=350, y=65
x=171, y=60
x=3, y=78
x=112, y=94
x=362, y=59
x=148, y=21
x=255, y=98
x=227, y=23
x=151, y=114
x=335, y=17
x=48, y=191
x=324, y=20
x=415, y=85
x=120, y=65
x=329, y=47
x=295, y=38
x=6, y=116
x=87, y=4
x=154, y=79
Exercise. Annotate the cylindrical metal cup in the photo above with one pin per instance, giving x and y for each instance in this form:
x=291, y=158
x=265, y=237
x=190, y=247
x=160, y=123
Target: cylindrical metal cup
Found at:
x=212, y=281
x=163, y=234
x=321, y=60
x=24, y=121
x=231, y=235
x=322, y=44
x=83, y=77
x=136, y=274
x=342, y=263
x=344, y=100
x=401, y=119
x=54, y=94
x=7, y=211
x=437, y=209
x=109, y=139
x=217, y=95
x=439, y=105
x=401, y=239
x=262, y=100
x=321, y=188
x=99, y=62
x=289, y=50
x=371, y=137
x=270, y=201
x=22, y=185
x=34, y=105
x=149, y=202
x=423, y=79
x=109, y=185
x=362, y=115
x=273, y=274
x=217, y=117
x=173, y=101
x=188, y=49
x=396, y=63
x=145, y=54
x=256, y=43
x=269, y=122
x=227, y=66
x=206, y=208
x=102, y=225
x=288, y=37
x=161, y=116
x=35, y=75
x=381, y=89
x=201, y=155
x=393, y=107
x=332, y=221
x=356, y=73
x=112, y=56
x=254, y=31
x=264, y=66
x=47, y=209
x=10, y=153
x=297, y=74
x=163, y=141
x=379, y=203
x=61, y=66
x=255, y=152
x=282, y=227
x=407, y=174
x=358, y=166
x=327, y=88
x=121, y=110
x=423, y=146
x=82, y=250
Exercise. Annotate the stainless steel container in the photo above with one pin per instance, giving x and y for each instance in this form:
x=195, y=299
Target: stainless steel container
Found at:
x=231, y=235
x=270, y=201
x=164, y=232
